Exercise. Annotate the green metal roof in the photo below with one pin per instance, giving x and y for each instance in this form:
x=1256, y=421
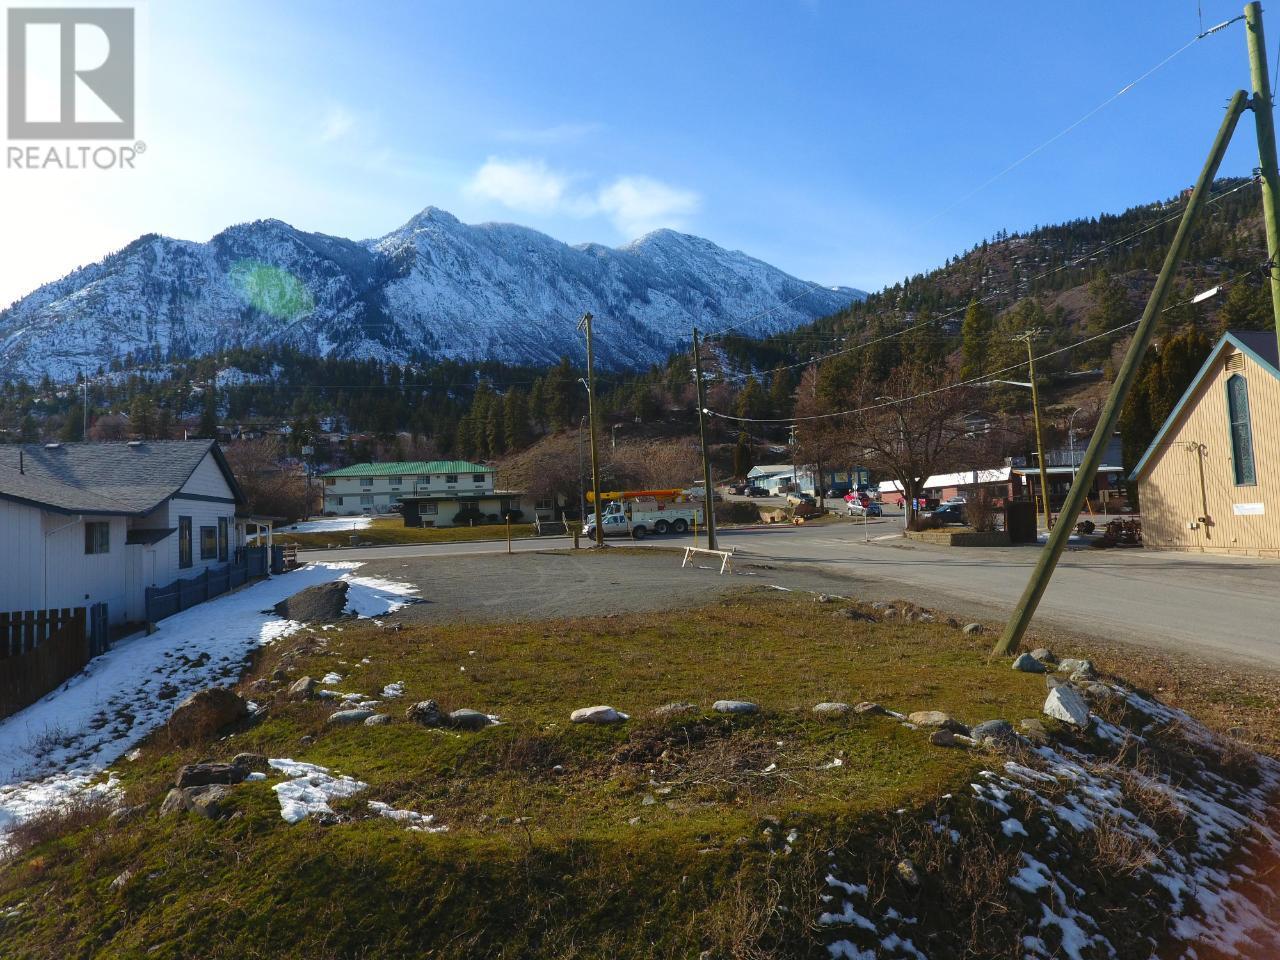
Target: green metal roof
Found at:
x=400, y=467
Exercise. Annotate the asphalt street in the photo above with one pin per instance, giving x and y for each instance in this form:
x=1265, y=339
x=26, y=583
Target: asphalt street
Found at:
x=1217, y=607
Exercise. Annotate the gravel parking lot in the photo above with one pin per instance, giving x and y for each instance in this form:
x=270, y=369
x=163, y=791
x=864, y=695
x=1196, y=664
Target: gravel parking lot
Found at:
x=547, y=584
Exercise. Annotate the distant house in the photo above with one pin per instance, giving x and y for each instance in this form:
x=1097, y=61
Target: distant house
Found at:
x=1210, y=481
x=1062, y=465
x=784, y=478
x=87, y=523
x=430, y=493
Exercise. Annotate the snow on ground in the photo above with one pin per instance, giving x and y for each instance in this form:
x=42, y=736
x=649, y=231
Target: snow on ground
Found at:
x=329, y=525
x=310, y=788
x=1208, y=900
x=59, y=746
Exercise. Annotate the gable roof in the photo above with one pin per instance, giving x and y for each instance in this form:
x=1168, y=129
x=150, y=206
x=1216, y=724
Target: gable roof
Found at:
x=397, y=467
x=1259, y=345
x=114, y=478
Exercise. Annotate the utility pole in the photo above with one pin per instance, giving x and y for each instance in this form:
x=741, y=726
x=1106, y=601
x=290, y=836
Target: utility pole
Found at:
x=708, y=499
x=1027, y=337
x=1128, y=373
x=1261, y=105
x=585, y=324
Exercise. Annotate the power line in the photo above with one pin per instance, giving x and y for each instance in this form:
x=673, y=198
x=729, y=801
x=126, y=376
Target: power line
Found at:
x=1072, y=126
x=986, y=377
x=997, y=293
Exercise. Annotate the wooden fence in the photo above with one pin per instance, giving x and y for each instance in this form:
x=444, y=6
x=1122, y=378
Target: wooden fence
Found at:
x=39, y=649
x=181, y=595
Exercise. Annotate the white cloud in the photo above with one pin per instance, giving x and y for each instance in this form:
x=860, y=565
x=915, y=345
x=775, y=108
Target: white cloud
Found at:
x=337, y=123
x=634, y=204
x=526, y=185
x=637, y=205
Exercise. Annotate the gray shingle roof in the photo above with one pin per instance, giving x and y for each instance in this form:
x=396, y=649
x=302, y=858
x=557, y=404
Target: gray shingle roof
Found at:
x=122, y=478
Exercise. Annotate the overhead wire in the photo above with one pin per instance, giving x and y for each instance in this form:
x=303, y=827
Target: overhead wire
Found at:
x=1083, y=119
x=983, y=378
x=996, y=293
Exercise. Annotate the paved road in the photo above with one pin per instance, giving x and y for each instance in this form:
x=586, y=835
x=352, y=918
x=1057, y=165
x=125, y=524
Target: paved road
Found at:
x=1221, y=607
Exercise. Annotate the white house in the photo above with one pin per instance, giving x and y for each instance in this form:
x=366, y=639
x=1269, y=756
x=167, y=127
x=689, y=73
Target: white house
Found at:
x=780, y=478
x=86, y=523
x=374, y=487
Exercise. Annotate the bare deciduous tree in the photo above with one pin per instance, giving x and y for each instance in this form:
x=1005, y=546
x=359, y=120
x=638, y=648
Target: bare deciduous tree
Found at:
x=915, y=427
x=272, y=489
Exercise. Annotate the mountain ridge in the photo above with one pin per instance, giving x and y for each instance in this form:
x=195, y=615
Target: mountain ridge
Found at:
x=433, y=288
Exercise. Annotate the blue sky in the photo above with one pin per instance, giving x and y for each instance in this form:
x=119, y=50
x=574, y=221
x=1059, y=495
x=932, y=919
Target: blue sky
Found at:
x=831, y=139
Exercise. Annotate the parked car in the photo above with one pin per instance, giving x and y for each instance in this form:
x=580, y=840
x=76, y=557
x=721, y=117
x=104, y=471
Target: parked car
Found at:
x=952, y=513
x=867, y=508
x=836, y=492
x=795, y=499
x=757, y=492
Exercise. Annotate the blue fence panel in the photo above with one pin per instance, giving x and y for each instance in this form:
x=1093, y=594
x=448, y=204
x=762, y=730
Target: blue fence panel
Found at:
x=250, y=564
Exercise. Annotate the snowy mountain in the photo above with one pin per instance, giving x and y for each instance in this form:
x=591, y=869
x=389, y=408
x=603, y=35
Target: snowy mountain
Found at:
x=435, y=288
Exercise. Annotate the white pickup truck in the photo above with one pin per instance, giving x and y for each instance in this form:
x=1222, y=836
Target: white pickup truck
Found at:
x=644, y=515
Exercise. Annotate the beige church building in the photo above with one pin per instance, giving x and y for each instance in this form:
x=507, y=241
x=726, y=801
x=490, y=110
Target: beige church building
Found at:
x=1210, y=481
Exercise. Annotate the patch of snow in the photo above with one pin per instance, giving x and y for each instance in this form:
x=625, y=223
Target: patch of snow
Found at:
x=329, y=525
x=309, y=789
x=413, y=820
x=331, y=678
x=63, y=742
x=393, y=690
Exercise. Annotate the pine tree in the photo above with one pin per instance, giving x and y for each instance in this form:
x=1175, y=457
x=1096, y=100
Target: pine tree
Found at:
x=974, y=335
x=750, y=402
x=495, y=434
x=30, y=433
x=164, y=424
x=209, y=415
x=73, y=426
x=515, y=420
x=142, y=417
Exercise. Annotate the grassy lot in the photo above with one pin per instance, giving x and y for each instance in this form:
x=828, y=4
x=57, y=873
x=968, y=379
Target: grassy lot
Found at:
x=564, y=840
x=391, y=530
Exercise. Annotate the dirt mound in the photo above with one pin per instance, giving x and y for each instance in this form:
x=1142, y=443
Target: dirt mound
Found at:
x=322, y=603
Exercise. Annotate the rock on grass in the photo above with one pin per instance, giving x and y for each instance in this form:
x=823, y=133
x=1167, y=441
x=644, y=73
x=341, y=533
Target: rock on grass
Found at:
x=600, y=714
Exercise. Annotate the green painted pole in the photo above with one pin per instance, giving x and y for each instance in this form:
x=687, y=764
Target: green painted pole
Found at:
x=1058, y=536
x=1262, y=119
x=708, y=497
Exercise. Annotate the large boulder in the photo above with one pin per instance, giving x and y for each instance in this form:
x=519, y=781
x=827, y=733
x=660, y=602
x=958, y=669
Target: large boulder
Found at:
x=204, y=774
x=427, y=713
x=322, y=603
x=1065, y=703
x=735, y=706
x=936, y=718
x=345, y=718
x=600, y=714
x=206, y=712
x=1029, y=664
x=209, y=802
x=304, y=688
x=465, y=719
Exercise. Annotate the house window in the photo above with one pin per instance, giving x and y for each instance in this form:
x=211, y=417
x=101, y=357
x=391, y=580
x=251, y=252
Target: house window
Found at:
x=427, y=509
x=1241, y=431
x=184, y=541
x=478, y=477
x=208, y=543
x=544, y=504
x=97, y=537
x=366, y=481
x=450, y=478
x=224, y=538
x=395, y=481
x=339, y=501
x=366, y=500
x=329, y=481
